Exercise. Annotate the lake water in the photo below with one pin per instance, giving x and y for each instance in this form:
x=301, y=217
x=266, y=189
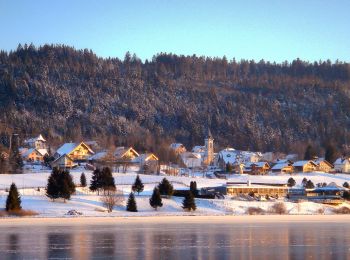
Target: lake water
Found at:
x=178, y=241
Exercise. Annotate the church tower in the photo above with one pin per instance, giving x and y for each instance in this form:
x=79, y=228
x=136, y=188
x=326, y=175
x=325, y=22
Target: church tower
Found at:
x=209, y=149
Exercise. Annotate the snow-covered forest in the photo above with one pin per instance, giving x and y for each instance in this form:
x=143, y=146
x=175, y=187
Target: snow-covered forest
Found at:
x=73, y=94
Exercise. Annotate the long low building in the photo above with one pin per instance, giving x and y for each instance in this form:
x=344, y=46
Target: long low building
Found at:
x=263, y=189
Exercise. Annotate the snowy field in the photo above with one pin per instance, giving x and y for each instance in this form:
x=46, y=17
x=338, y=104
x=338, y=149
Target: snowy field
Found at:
x=89, y=204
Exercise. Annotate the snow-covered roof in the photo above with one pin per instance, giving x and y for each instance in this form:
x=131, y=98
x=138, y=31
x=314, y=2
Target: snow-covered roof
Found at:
x=257, y=164
x=330, y=187
x=191, y=155
x=280, y=166
x=144, y=157
x=69, y=147
x=341, y=161
x=66, y=148
x=34, y=139
x=43, y=152
x=98, y=156
x=176, y=145
x=302, y=163
x=28, y=152
x=228, y=155
x=198, y=149
x=121, y=150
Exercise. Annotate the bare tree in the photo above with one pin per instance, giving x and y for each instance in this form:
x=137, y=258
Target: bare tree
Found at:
x=111, y=199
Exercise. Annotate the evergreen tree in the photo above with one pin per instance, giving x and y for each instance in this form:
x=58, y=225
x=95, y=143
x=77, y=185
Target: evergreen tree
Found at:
x=107, y=180
x=346, y=185
x=13, y=201
x=166, y=188
x=291, y=182
x=155, y=201
x=310, y=153
x=138, y=185
x=189, y=202
x=131, y=204
x=95, y=183
x=309, y=185
x=303, y=182
x=60, y=185
x=330, y=154
x=83, y=180
x=52, y=188
x=229, y=167
x=16, y=161
x=66, y=185
x=193, y=188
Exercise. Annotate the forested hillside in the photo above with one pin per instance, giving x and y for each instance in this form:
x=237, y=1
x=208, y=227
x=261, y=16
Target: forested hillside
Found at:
x=73, y=94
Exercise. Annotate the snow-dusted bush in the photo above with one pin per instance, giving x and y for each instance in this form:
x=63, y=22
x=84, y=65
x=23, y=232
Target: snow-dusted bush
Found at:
x=278, y=208
x=255, y=211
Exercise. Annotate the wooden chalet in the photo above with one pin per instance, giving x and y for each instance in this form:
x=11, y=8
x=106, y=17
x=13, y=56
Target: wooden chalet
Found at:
x=75, y=151
x=304, y=166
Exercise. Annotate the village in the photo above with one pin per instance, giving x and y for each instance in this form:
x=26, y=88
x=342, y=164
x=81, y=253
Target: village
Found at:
x=226, y=180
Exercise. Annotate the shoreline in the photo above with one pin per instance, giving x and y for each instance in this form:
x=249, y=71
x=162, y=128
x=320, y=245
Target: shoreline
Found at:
x=67, y=221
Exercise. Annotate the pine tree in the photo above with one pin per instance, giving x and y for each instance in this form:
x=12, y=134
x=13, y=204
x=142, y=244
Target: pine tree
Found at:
x=60, y=185
x=52, y=188
x=229, y=167
x=13, y=201
x=330, y=154
x=95, y=183
x=309, y=185
x=291, y=182
x=131, y=205
x=165, y=188
x=16, y=161
x=310, y=153
x=106, y=181
x=155, y=201
x=189, y=202
x=303, y=182
x=138, y=185
x=193, y=188
x=66, y=185
x=83, y=180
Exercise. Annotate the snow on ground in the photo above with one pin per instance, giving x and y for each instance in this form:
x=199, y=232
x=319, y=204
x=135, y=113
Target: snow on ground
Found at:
x=89, y=203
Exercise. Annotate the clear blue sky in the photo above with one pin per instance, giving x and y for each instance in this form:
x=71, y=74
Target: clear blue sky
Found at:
x=273, y=30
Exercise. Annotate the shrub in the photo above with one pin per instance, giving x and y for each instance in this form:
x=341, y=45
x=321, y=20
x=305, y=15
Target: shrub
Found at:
x=138, y=185
x=189, y=203
x=342, y=210
x=291, y=182
x=83, y=180
x=111, y=199
x=131, y=205
x=22, y=213
x=321, y=211
x=255, y=211
x=278, y=208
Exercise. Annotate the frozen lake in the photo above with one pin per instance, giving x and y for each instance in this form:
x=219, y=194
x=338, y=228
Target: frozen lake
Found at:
x=177, y=241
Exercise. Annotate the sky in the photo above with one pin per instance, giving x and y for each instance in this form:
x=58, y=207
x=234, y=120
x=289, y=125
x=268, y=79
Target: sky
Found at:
x=273, y=30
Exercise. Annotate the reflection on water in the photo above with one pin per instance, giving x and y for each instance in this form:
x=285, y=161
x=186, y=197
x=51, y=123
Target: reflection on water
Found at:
x=175, y=241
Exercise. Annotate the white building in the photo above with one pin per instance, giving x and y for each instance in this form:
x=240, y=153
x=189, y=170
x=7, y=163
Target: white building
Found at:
x=342, y=165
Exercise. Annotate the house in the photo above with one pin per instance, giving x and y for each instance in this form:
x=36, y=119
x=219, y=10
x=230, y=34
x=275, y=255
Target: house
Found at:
x=323, y=165
x=191, y=160
x=227, y=156
x=257, y=168
x=33, y=154
x=75, y=151
x=304, y=166
x=38, y=142
x=146, y=158
x=342, y=165
x=64, y=161
x=283, y=167
x=125, y=154
x=178, y=148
